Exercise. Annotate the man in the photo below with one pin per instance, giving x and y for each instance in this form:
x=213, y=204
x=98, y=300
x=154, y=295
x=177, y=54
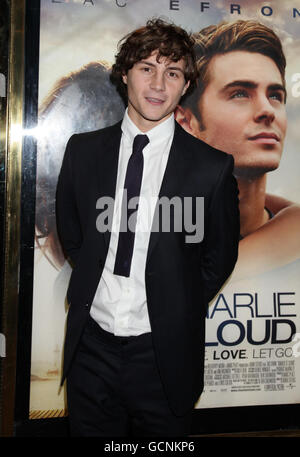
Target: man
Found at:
x=239, y=107
x=135, y=332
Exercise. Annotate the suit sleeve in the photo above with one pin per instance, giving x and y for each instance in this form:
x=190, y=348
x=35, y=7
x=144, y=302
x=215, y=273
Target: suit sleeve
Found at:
x=221, y=233
x=67, y=217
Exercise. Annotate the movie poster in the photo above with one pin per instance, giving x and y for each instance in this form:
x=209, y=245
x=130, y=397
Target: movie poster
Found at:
x=253, y=324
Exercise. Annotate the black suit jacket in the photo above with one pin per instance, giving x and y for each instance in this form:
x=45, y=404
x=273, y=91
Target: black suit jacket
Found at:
x=181, y=278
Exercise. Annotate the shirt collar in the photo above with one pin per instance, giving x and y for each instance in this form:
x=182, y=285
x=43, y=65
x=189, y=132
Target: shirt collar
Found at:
x=156, y=135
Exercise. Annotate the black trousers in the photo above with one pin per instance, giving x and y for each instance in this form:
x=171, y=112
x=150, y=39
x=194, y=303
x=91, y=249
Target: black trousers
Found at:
x=114, y=388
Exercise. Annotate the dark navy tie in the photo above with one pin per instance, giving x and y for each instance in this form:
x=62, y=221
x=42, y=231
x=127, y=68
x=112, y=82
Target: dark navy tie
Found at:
x=132, y=188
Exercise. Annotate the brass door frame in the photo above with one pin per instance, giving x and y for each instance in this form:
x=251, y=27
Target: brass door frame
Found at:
x=13, y=138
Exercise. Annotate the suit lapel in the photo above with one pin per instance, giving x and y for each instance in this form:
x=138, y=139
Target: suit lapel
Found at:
x=171, y=182
x=108, y=168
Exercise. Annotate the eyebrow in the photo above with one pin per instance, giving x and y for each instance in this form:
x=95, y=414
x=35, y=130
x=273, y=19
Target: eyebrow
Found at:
x=252, y=85
x=145, y=62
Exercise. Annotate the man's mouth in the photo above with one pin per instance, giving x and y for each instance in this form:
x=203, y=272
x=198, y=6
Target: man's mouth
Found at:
x=265, y=138
x=155, y=101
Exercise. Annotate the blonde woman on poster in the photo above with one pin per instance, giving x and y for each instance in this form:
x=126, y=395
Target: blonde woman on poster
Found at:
x=80, y=101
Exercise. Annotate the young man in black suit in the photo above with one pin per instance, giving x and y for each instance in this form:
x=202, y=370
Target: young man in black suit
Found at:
x=134, y=349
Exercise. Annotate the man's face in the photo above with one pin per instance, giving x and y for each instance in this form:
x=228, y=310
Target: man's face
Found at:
x=154, y=89
x=243, y=111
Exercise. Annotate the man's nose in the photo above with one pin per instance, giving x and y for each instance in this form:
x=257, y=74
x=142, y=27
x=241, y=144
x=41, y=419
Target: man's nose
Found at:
x=158, y=81
x=264, y=111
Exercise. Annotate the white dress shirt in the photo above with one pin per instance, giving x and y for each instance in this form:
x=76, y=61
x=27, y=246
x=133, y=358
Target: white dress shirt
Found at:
x=120, y=304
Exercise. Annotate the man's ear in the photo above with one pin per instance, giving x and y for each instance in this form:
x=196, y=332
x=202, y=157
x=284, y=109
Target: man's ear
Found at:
x=187, y=120
x=124, y=79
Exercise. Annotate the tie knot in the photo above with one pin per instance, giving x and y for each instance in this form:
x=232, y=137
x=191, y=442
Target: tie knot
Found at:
x=139, y=142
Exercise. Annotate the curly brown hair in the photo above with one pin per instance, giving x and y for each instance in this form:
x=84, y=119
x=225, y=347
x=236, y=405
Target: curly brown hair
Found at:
x=168, y=39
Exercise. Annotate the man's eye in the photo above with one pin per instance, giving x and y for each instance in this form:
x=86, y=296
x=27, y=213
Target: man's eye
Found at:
x=173, y=74
x=277, y=96
x=239, y=94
